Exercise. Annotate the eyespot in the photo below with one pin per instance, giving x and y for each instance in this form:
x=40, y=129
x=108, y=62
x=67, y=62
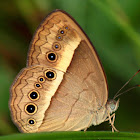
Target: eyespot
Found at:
x=50, y=74
x=30, y=108
x=31, y=122
x=51, y=56
x=41, y=79
x=56, y=46
x=62, y=31
x=33, y=95
x=38, y=85
x=66, y=27
x=59, y=37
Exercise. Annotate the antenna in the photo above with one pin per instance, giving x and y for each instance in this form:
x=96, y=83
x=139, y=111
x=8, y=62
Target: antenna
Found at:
x=118, y=93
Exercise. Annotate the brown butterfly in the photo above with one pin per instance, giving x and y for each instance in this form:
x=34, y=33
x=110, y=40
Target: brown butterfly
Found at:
x=63, y=87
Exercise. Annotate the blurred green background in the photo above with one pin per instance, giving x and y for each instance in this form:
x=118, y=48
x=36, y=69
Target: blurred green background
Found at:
x=113, y=27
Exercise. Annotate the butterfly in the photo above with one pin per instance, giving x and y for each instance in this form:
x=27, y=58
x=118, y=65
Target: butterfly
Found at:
x=63, y=87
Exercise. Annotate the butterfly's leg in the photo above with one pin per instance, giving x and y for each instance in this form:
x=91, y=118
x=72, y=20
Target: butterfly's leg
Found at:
x=88, y=123
x=112, y=122
x=107, y=119
x=113, y=128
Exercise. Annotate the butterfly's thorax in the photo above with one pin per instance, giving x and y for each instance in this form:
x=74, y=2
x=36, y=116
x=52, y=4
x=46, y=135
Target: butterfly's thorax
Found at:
x=102, y=114
x=99, y=115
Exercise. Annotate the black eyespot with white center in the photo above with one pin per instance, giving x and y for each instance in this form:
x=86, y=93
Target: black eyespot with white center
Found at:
x=66, y=27
x=56, y=46
x=31, y=121
x=62, y=31
x=30, y=109
x=51, y=56
x=50, y=74
x=59, y=37
x=33, y=95
x=41, y=79
x=37, y=85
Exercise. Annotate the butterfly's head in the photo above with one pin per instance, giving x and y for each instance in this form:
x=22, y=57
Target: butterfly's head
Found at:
x=112, y=105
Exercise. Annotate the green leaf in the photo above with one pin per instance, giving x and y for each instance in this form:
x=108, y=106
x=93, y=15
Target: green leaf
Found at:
x=74, y=135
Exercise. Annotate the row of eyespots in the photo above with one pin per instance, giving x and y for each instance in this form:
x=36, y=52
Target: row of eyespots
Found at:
x=52, y=56
x=34, y=95
x=31, y=108
x=62, y=32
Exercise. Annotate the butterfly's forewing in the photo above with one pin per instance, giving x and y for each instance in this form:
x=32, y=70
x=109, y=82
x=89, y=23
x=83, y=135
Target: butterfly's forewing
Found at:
x=65, y=102
x=47, y=36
